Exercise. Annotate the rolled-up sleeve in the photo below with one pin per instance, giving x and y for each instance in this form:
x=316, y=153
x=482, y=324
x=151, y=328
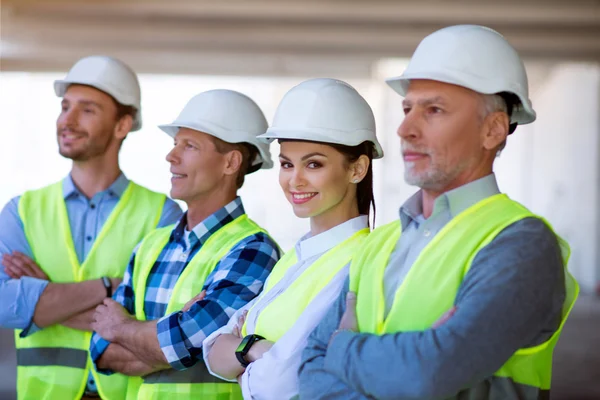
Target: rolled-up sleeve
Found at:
x=237, y=279
x=18, y=297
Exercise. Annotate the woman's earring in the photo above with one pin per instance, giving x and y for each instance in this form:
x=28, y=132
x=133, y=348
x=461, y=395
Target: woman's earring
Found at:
x=355, y=181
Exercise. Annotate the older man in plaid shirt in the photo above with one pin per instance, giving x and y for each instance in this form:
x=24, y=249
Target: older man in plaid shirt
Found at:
x=215, y=146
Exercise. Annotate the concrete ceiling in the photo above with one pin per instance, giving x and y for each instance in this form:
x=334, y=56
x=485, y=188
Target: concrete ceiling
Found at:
x=278, y=37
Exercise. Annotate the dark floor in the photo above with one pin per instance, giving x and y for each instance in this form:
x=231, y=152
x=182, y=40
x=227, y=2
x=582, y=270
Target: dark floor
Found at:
x=576, y=360
x=576, y=374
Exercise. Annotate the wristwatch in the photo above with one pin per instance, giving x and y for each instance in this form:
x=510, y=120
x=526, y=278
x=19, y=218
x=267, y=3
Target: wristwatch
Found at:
x=244, y=348
x=107, y=285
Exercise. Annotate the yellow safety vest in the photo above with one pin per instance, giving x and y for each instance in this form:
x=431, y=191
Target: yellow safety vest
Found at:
x=281, y=314
x=195, y=382
x=54, y=363
x=431, y=285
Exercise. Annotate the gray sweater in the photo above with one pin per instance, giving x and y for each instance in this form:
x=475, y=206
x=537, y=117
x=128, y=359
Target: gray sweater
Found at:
x=511, y=298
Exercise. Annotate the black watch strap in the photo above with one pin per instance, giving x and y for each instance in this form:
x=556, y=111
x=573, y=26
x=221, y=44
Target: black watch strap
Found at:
x=244, y=348
x=242, y=359
x=107, y=285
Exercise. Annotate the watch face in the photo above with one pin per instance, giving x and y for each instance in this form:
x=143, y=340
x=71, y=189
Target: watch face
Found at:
x=243, y=344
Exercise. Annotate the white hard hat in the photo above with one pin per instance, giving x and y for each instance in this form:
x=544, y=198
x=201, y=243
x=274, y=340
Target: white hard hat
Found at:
x=109, y=75
x=474, y=57
x=325, y=110
x=228, y=115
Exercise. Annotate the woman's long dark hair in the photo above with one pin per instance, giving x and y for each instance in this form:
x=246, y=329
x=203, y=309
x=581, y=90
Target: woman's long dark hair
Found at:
x=364, y=189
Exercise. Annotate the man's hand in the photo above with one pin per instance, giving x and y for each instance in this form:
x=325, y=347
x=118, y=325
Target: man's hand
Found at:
x=444, y=318
x=137, y=368
x=108, y=318
x=82, y=321
x=18, y=265
x=193, y=301
x=349, y=321
x=119, y=359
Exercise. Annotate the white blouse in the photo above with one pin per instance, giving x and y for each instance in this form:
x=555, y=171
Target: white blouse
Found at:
x=275, y=375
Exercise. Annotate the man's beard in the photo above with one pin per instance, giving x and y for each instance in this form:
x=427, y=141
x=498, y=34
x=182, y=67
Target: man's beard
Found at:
x=436, y=177
x=87, y=149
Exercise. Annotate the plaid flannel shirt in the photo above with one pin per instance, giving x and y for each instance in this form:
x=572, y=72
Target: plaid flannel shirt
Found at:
x=236, y=280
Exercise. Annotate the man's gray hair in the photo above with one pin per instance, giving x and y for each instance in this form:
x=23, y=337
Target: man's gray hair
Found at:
x=491, y=103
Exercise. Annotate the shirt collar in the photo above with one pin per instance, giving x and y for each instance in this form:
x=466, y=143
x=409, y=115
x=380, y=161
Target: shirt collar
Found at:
x=463, y=197
x=117, y=188
x=411, y=209
x=309, y=246
x=211, y=224
x=456, y=200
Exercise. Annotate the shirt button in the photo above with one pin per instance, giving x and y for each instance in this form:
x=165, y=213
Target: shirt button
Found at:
x=183, y=256
x=88, y=238
x=92, y=206
x=427, y=232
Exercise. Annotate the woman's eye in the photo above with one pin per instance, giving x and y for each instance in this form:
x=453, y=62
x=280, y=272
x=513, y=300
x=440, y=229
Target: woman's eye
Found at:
x=286, y=165
x=313, y=165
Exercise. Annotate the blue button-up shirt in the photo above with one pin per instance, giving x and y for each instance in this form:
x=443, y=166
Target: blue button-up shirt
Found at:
x=236, y=280
x=19, y=297
x=418, y=231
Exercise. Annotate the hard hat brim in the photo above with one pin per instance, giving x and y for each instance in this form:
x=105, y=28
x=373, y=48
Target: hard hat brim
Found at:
x=264, y=158
x=317, y=135
x=524, y=114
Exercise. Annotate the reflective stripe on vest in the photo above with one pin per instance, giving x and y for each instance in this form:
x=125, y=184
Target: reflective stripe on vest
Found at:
x=60, y=356
x=43, y=356
x=431, y=285
x=195, y=382
x=280, y=315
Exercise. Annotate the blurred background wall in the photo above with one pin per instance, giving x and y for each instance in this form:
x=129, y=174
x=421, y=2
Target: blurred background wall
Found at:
x=263, y=48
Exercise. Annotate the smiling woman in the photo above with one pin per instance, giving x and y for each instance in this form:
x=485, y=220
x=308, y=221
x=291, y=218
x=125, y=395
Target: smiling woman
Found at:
x=326, y=175
x=322, y=181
